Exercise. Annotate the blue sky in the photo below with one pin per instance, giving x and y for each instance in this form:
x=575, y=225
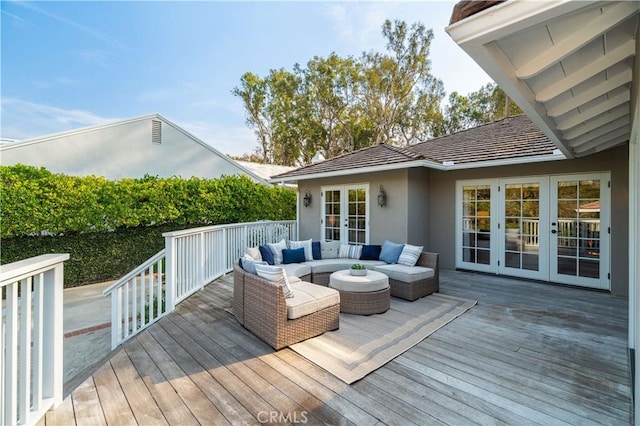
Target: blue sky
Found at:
x=67, y=65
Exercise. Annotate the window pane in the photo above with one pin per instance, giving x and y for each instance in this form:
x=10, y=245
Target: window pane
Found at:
x=512, y=260
x=567, y=190
x=512, y=192
x=484, y=257
x=589, y=268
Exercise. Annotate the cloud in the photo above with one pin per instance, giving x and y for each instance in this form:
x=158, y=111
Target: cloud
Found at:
x=87, y=30
x=23, y=119
x=60, y=81
x=94, y=56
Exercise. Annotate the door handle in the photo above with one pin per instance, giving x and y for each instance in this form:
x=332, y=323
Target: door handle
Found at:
x=553, y=231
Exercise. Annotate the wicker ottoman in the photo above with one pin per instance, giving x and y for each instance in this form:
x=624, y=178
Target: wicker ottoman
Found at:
x=362, y=295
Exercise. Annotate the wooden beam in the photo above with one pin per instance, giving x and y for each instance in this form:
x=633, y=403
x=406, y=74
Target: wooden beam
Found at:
x=622, y=132
x=593, y=111
x=606, y=86
x=601, y=145
x=600, y=131
x=598, y=121
x=617, y=55
x=581, y=37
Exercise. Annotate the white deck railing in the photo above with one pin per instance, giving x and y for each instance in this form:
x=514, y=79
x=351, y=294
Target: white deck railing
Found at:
x=138, y=299
x=31, y=338
x=192, y=258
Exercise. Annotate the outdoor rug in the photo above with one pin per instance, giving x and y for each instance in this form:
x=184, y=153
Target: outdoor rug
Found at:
x=366, y=343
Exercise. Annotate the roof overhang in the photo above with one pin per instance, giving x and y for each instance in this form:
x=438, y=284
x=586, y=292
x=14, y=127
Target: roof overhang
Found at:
x=557, y=155
x=567, y=64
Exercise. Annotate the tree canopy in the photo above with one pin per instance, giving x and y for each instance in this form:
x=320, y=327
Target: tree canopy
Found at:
x=335, y=105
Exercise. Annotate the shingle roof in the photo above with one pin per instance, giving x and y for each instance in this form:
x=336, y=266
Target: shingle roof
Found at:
x=366, y=157
x=509, y=138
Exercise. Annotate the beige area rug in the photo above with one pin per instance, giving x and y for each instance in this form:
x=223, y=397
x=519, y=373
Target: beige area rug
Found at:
x=366, y=343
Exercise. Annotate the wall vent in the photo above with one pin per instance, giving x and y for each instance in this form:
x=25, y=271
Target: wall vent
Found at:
x=156, y=132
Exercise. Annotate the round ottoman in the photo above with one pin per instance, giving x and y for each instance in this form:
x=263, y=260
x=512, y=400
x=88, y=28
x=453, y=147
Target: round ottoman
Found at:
x=362, y=295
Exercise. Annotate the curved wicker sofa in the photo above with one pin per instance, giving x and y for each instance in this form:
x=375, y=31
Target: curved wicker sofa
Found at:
x=260, y=306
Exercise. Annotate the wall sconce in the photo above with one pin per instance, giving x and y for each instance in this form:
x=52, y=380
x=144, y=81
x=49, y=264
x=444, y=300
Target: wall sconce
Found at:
x=382, y=197
x=307, y=198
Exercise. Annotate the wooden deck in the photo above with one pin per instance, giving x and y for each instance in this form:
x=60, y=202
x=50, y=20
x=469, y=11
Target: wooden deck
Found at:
x=528, y=353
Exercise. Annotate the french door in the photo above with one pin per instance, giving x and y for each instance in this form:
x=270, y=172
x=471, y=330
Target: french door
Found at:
x=345, y=213
x=552, y=228
x=580, y=220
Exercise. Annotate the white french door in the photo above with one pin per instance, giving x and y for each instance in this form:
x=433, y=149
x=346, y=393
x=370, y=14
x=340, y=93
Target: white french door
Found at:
x=580, y=229
x=522, y=219
x=345, y=213
x=551, y=228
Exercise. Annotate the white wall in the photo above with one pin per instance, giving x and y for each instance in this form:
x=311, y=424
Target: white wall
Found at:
x=122, y=150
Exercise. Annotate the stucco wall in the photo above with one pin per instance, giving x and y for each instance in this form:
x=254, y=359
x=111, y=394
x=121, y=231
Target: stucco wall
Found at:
x=389, y=222
x=123, y=150
x=418, y=210
x=442, y=204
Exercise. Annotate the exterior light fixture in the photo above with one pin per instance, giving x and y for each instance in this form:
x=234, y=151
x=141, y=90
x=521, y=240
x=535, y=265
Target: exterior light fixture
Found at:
x=307, y=198
x=382, y=197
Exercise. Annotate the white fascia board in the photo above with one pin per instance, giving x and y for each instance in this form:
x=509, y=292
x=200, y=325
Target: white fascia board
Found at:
x=507, y=18
x=58, y=135
x=509, y=161
x=429, y=164
x=357, y=171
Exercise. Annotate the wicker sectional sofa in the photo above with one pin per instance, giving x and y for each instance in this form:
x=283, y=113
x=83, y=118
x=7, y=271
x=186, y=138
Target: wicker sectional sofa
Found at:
x=261, y=307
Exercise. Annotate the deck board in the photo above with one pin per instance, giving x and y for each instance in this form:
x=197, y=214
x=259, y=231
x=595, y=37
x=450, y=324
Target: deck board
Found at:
x=528, y=353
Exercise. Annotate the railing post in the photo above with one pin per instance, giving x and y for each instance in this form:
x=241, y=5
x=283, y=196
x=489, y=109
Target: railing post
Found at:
x=170, y=278
x=53, y=335
x=201, y=263
x=116, y=318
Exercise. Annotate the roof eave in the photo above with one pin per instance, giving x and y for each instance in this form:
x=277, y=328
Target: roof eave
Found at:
x=475, y=33
x=555, y=156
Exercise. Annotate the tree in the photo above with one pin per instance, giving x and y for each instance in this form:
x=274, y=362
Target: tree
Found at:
x=483, y=106
x=398, y=93
x=336, y=105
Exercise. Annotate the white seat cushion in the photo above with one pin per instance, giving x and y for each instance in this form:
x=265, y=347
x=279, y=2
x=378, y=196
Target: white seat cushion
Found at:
x=373, y=281
x=296, y=269
x=309, y=298
x=404, y=273
x=333, y=265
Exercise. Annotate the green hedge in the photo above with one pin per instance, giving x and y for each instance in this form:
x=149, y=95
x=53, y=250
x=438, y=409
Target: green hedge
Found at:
x=109, y=227
x=34, y=200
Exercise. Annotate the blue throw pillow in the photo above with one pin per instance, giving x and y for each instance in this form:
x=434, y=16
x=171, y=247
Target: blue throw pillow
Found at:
x=266, y=254
x=293, y=255
x=370, y=252
x=316, y=250
x=390, y=252
x=249, y=265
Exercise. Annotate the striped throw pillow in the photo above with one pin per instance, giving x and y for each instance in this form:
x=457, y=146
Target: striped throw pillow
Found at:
x=276, y=251
x=410, y=255
x=349, y=251
x=276, y=274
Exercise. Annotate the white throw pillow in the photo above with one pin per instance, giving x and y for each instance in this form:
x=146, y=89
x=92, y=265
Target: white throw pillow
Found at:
x=329, y=249
x=276, y=250
x=253, y=252
x=410, y=255
x=306, y=245
x=276, y=274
